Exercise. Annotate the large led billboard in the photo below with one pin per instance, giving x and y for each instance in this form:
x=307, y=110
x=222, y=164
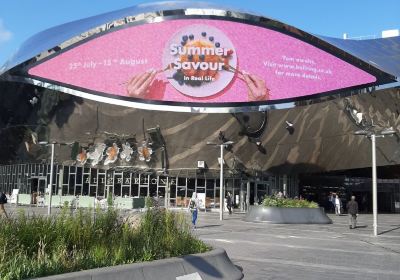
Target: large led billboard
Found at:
x=187, y=62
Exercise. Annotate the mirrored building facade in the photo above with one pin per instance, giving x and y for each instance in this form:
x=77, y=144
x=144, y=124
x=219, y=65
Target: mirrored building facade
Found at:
x=104, y=149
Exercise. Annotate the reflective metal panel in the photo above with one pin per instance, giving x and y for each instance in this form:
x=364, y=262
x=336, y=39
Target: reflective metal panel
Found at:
x=383, y=53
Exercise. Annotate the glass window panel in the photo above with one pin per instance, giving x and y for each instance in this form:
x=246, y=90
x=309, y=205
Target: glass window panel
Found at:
x=65, y=190
x=153, y=190
x=71, y=185
x=125, y=191
x=143, y=191
x=86, y=184
x=173, y=191
x=92, y=191
x=181, y=191
x=135, y=190
x=66, y=173
x=191, y=184
x=78, y=189
x=79, y=175
x=181, y=181
x=201, y=182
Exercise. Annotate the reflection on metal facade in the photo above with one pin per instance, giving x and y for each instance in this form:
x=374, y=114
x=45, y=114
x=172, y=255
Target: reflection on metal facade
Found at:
x=383, y=53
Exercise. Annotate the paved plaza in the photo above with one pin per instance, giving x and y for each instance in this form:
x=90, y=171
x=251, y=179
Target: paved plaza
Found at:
x=270, y=251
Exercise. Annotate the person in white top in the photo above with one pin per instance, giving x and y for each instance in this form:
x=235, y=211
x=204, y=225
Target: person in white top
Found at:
x=338, y=205
x=194, y=208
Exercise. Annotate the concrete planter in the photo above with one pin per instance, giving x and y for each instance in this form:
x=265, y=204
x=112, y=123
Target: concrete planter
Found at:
x=279, y=215
x=211, y=265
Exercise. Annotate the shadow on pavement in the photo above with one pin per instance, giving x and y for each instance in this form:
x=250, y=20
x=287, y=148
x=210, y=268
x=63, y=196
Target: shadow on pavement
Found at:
x=361, y=226
x=209, y=226
x=239, y=267
x=389, y=230
x=201, y=265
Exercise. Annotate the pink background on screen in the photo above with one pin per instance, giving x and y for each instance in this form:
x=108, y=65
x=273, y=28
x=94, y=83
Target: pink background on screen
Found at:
x=253, y=46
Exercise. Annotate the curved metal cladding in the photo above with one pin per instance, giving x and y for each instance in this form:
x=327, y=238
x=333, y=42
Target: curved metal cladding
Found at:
x=321, y=138
x=188, y=57
x=383, y=53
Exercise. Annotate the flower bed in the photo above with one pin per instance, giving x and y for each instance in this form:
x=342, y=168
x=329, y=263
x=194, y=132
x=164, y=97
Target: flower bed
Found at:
x=273, y=201
x=276, y=210
x=40, y=245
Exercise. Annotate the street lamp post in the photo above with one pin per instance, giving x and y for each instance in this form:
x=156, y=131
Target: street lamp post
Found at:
x=373, y=136
x=221, y=177
x=374, y=186
x=221, y=184
x=50, y=186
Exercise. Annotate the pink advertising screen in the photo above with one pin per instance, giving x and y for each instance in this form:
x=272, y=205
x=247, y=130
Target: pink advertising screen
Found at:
x=200, y=61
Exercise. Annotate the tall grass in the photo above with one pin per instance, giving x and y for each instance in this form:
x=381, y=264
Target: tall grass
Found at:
x=39, y=245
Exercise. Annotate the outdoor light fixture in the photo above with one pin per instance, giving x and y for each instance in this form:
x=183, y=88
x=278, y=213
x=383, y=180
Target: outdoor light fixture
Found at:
x=221, y=177
x=34, y=100
x=289, y=127
x=388, y=131
x=288, y=124
x=201, y=164
x=373, y=135
x=358, y=116
x=361, y=132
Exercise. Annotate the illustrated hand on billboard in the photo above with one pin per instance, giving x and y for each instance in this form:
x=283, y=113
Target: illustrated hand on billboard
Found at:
x=138, y=85
x=257, y=89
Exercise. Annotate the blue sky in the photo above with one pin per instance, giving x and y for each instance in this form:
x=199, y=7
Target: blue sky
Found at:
x=19, y=19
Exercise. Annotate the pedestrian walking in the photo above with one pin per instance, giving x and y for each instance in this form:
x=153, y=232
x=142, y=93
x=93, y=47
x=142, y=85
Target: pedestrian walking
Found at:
x=352, y=210
x=331, y=202
x=338, y=205
x=194, y=208
x=3, y=200
x=229, y=202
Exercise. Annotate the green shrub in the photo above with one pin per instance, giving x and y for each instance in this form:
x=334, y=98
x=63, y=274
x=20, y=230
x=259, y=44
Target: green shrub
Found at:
x=273, y=201
x=40, y=245
x=148, y=202
x=110, y=199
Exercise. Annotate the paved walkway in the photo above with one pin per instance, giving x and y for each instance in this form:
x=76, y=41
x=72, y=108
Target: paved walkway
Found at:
x=267, y=251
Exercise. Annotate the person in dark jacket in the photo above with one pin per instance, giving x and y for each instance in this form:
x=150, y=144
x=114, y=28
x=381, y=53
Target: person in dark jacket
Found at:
x=3, y=200
x=352, y=210
x=229, y=202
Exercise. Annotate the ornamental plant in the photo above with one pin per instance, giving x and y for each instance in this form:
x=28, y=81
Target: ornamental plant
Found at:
x=37, y=246
x=273, y=201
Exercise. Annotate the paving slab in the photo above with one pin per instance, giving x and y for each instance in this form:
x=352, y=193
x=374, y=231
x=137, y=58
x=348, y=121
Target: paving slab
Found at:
x=284, y=251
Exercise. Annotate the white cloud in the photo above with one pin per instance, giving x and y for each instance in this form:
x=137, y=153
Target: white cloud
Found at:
x=5, y=35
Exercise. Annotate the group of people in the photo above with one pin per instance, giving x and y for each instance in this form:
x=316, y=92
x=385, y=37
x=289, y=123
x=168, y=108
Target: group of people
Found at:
x=336, y=203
